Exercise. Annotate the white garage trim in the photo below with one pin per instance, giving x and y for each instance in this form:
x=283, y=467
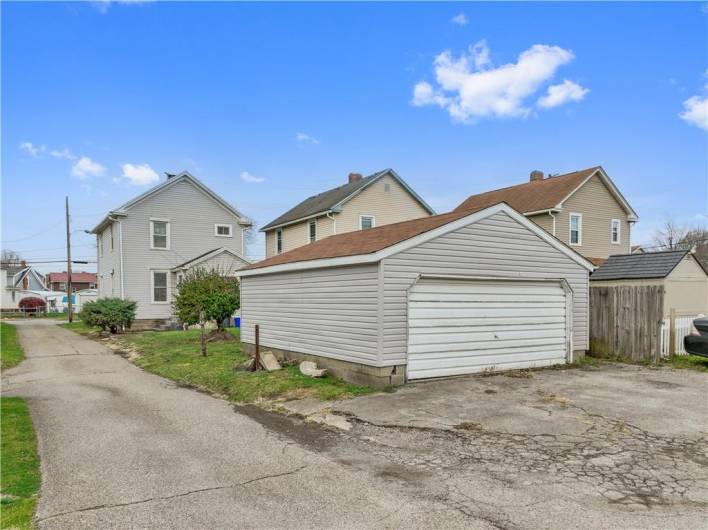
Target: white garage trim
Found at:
x=461, y=324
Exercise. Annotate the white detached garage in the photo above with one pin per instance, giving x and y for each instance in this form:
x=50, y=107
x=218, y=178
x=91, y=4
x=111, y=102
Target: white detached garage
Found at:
x=451, y=294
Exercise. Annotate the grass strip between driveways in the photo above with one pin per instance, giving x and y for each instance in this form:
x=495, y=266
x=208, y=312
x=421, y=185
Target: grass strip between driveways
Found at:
x=689, y=362
x=175, y=355
x=19, y=472
x=11, y=353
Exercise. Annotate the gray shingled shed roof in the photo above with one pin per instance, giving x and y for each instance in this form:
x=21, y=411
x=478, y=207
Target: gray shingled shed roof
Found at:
x=327, y=200
x=639, y=266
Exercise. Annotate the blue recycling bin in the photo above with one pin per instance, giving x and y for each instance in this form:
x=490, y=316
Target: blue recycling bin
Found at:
x=237, y=322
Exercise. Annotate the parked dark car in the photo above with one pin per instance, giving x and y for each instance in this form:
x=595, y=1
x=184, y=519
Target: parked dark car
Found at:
x=697, y=342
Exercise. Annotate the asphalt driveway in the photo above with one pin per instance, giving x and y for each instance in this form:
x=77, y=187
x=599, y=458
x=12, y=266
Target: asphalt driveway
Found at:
x=613, y=447
x=121, y=448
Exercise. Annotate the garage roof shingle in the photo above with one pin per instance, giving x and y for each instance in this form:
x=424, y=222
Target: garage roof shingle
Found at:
x=639, y=266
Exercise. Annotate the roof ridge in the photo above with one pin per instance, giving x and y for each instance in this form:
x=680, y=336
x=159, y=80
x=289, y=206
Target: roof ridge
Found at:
x=547, y=179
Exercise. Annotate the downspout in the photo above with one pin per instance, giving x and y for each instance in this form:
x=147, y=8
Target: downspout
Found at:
x=120, y=248
x=554, y=222
x=334, y=223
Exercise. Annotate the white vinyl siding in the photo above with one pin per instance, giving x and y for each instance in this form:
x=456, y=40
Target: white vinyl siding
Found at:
x=495, y=246
x=327, y=312
x=464, y=326
x=192, y=215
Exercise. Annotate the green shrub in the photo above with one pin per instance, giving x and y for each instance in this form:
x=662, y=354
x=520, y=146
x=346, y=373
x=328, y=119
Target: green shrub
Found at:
x=109, y=314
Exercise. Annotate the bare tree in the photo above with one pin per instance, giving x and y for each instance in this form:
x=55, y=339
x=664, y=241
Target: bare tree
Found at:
x=669, y=236
x=697, y=238
x=10, y=257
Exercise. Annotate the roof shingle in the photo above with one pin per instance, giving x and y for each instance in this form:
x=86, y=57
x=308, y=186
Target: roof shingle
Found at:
x=639, y=266
x=530, y=196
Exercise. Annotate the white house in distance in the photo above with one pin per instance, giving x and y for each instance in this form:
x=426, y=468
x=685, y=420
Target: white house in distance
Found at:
x=146, y=244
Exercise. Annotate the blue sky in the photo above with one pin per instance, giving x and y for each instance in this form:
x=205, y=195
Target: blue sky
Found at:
x=98, y=98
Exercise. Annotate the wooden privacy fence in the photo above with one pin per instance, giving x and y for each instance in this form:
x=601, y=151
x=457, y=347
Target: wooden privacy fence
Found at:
x=625, y=320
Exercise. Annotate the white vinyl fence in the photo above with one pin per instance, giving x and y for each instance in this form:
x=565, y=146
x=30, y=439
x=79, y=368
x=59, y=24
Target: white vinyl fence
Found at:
x=683, y=328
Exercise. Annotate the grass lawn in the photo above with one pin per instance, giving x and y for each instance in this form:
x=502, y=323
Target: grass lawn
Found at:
x=175, y=355
x=10, y=351
x=19, y=473
x=689, y=362
x=79, y=327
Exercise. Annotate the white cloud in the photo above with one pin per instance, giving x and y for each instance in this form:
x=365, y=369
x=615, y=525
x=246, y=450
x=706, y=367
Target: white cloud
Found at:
x=470, y=87
x=86, y=168
x=63, y=153
x=103, y=5
x=306, y=138
x=247, y=177
x=695, y=111
x=33, y=150
x=561, y=94
x=139, y=174
x=460, y=19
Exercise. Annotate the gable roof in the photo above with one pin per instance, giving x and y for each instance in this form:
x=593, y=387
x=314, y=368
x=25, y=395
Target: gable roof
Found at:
x=19, y=276
x=171, y=181
x=544, y=195
x=330, y=200
x=640, y=266
x=207, y=256
x=371, y=245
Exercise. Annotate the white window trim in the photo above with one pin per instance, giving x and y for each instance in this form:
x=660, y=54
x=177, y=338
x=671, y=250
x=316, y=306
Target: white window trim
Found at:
x=219, y=225
x=373, y=221
x=152, y=286
x=309, y=225
x=619, y=231
x=152, y=233
x=580, y=229
x=279, y=232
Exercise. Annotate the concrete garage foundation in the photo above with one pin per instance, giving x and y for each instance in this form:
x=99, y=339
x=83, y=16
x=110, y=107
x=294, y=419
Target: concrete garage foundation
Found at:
x=359, y=374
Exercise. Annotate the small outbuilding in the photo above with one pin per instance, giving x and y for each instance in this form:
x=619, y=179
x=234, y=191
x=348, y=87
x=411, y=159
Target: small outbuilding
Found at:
x=683, y=277
x=445, y=295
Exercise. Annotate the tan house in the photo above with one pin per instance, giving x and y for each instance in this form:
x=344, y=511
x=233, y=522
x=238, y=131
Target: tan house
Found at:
x=362, y=203
x=684, y=279
x=584, y=209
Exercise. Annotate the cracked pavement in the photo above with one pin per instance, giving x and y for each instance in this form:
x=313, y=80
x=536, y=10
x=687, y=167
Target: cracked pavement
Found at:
x=121, y=448
x=615, y=447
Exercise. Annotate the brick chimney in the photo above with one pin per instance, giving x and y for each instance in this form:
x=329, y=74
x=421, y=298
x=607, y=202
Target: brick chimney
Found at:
x=354, y=177
x=536, y=175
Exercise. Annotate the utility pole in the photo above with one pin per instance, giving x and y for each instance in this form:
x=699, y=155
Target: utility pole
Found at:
x=68, y=262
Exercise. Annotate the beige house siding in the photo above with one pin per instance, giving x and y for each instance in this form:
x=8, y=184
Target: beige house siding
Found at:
x=543, y=220
x=598, y=207
x=686, y=288
x=386, y=200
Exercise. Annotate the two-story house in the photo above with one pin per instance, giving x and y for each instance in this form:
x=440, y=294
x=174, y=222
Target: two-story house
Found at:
x=148, y=243
x=18, y=281
x=363, y=202
x=584, y=209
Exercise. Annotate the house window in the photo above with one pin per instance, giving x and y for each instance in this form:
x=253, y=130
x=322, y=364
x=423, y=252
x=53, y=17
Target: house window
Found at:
x=576, y=229
x=110, y=228
x=62, y=286
x=159, y=287
x=159, y=234
x=366, y=222
x=279, y=241
x=99, y=244
x=222, y=230
x=615, y=231
x=312, y=231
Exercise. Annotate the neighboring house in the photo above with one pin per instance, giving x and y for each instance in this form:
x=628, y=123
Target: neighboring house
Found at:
x=450, y=294
x=583, y=209
x=637, y=249
x=18, y=282
x=363, y=203
x=145, y=245
x=57, y=281
x=684, y=279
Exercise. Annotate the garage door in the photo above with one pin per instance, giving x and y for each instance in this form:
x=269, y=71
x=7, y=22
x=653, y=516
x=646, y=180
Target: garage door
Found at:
x=464, y=326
